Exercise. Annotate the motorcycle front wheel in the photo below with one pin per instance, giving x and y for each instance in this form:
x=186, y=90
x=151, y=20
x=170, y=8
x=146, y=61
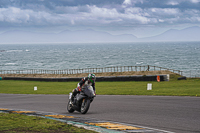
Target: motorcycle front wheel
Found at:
x=69, y=108
x=85, y=106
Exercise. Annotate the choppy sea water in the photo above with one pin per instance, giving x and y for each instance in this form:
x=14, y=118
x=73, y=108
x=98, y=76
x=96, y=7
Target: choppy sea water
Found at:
x=184, y=56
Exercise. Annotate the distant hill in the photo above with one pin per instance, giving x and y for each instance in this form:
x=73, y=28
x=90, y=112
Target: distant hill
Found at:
x=188, y=34
x=18, y=36
x=84, y=36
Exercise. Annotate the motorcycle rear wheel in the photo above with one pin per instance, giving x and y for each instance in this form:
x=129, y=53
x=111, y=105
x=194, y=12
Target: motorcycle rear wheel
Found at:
x=85, y=106
x=69, y=108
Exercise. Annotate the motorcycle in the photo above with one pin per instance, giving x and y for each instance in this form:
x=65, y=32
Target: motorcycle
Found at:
x=81, y=101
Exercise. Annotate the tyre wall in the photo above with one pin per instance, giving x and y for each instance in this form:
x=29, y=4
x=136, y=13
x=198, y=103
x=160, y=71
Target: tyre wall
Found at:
x=98, y=79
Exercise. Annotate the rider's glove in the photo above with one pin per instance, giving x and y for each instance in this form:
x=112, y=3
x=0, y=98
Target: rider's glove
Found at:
x=79, y=88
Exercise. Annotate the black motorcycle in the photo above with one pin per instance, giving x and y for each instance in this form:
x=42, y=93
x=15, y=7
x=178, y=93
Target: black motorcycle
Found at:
x=81, y=101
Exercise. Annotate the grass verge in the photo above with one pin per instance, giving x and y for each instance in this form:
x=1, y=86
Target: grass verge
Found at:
x=19, y=123
x=189, y=87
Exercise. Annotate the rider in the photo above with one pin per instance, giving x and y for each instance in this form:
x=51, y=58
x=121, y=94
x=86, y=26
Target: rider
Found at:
x=88, y=81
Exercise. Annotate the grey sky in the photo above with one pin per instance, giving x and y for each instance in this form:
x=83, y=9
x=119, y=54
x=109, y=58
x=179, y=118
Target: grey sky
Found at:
x=138, y=17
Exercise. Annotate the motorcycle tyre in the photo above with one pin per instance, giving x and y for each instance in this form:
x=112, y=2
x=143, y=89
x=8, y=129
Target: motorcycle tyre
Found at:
x=86, y=106
x=69, y=108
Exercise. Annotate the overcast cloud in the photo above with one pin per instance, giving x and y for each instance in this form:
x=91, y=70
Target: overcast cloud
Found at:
x=138, y=17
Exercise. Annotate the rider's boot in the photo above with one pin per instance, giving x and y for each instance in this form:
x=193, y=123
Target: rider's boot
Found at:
x=73, y=95
x=72, y=98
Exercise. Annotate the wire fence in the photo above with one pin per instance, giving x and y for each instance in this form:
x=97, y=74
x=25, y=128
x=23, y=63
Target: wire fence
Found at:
x=91, y=70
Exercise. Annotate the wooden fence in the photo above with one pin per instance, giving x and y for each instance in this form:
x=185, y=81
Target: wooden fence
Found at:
x=90, y=70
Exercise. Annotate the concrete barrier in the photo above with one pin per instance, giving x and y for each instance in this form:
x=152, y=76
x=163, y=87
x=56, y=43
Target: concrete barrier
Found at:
x=98, y=79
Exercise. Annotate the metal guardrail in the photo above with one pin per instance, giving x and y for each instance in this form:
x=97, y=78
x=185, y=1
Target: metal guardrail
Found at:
x=192, y=73
x=91, y=70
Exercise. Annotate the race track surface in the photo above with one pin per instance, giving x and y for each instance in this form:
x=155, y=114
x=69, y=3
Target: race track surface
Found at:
x=170, y=113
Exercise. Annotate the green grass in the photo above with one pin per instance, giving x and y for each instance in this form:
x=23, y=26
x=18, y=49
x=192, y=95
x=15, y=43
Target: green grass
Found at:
x=171, y=88
x=27, y=87
x=189, y=87
x=13, y=123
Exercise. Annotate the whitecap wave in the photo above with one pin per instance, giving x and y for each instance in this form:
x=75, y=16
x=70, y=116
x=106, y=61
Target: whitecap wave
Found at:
x=138, y=63
x=106, y=57
x=10, y=64
x=14, y=51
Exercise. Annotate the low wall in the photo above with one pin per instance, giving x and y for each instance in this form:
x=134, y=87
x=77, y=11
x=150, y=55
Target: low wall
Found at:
x=98, y=79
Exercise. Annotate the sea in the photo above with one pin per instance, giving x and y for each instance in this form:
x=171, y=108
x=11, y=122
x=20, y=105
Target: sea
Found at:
x=184, y=56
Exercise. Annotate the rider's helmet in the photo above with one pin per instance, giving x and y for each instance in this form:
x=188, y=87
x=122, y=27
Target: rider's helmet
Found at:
x=91, y=78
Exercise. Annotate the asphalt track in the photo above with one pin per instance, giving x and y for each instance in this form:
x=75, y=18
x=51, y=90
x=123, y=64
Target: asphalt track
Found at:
x=168, y=113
